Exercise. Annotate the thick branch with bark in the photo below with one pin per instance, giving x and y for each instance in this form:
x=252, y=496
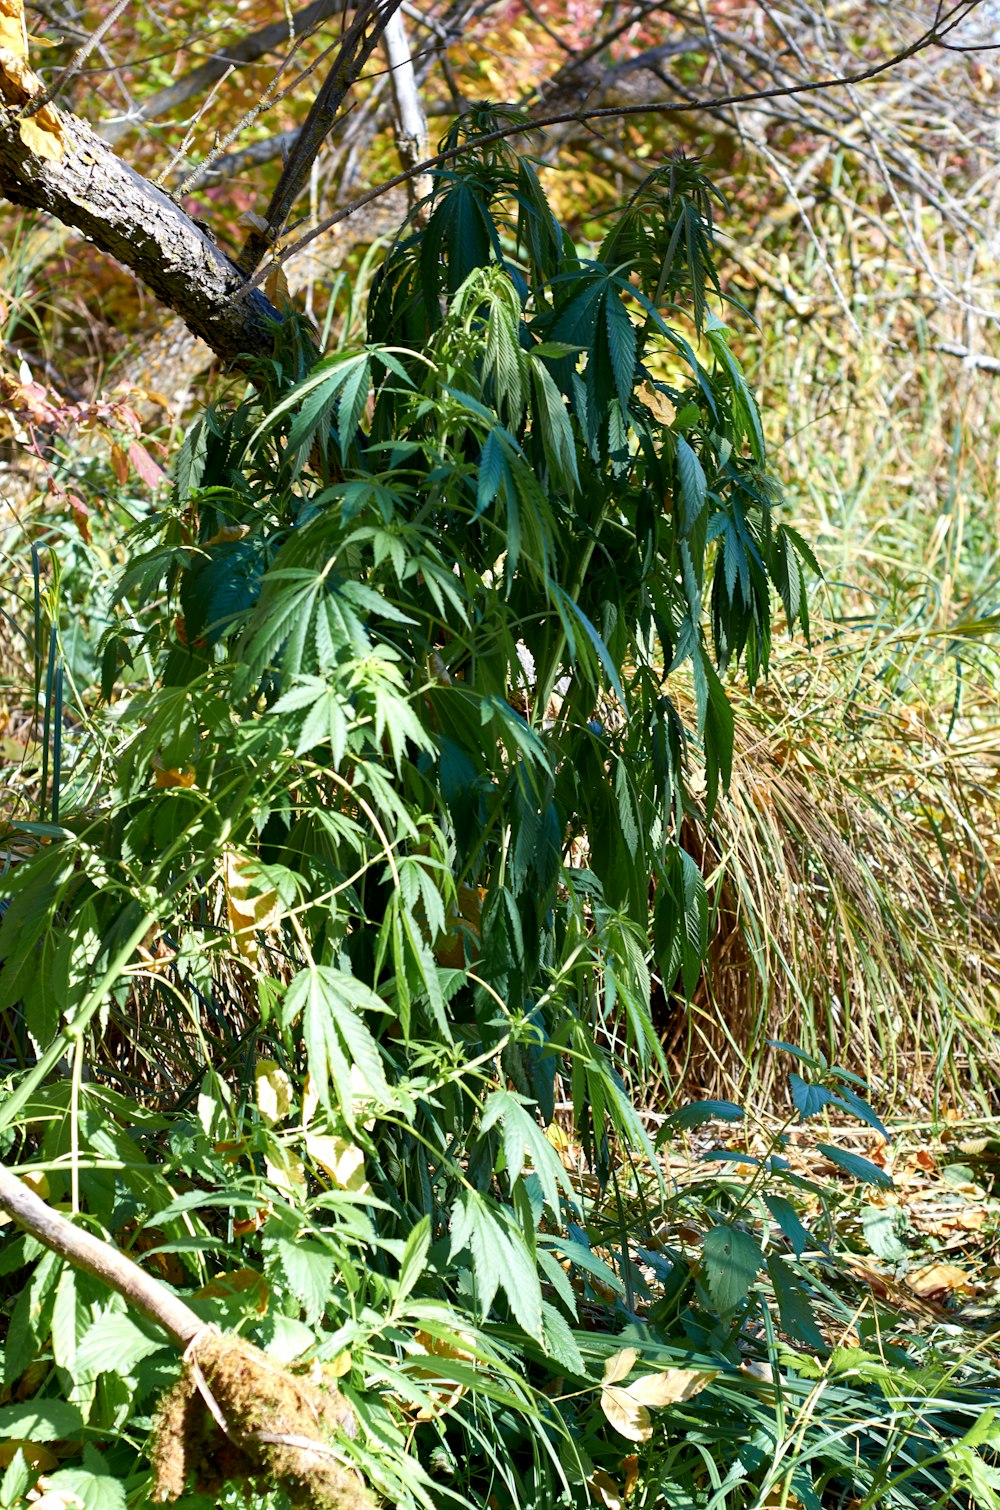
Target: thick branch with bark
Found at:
x=125, y=216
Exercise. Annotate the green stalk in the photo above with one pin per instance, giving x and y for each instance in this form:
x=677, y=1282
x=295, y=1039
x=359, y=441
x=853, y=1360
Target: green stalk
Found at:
x=74, y=1029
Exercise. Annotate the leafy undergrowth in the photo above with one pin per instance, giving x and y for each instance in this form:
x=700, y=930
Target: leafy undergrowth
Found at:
x=772, y=1313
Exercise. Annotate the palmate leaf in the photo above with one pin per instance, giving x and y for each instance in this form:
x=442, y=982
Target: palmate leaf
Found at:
x=330, y=1003
x=680, y=922
x=282, y=620
x=524, y=1138
x=500, y=1259
x=537, y=228
x=325, y=716
x=511, y=497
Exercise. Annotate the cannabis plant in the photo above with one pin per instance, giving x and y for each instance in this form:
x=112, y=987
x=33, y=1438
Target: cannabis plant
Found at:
x=363, y=893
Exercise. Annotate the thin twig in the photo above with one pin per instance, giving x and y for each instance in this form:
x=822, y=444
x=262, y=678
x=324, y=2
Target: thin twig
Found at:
x=79, y=57
x=610, y=112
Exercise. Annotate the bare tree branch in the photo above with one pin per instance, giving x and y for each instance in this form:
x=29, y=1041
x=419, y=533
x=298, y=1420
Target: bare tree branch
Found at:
x=94, y=1256
x=410, y=121
x=358, y=43
x=92, y=190
x=247, y=50
x=927, y=39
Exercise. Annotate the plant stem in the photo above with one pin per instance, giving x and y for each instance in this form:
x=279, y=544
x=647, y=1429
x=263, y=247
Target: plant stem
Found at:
x=94, y=1256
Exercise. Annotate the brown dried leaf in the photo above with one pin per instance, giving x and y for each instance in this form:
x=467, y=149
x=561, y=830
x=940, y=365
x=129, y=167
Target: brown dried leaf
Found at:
x=620, y=1364
x=605, y=1491
x=626, y=1414
x=670, y=1386
x=276, y=287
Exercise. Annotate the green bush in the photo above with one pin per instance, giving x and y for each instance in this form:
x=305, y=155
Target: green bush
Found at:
x=365, y=912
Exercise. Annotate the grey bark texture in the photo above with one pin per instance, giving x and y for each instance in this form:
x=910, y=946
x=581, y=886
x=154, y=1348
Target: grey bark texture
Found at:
x=131, y=220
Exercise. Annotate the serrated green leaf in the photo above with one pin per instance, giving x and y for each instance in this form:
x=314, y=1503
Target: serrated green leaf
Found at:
x=113, y=1343
x=857, y=1167
x=330, y=1003
x=797, y=1319
x=697, y=1113
x=809, y=1099
x=41, y=1421
x=732, y=1259
x=93, y=1484
x=309, y=1270
x=694, y=486
x=787, y=1218
x=414, y=1260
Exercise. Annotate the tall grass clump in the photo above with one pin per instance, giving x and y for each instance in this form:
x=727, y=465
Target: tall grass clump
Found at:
x=867, y=771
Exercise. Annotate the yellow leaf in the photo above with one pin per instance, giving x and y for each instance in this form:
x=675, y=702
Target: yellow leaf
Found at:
x=631, y=1467
x=448, y=1394
x=344, y=1162
x=620, y=1364
x=288, y=1176
x=246, y=1282
x=38, y=1455
x=164, y=778
x=274, y=1090
x=626, y=1414
x=42, y=134
x=39, y=1183
x=227, y=533
x=671, y=1386
x=605, y=1490
x=13, y=33
x=310, y=1102
x=339, y=1367
x=247, y=910
x=936, y=1281
x=119, y=460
